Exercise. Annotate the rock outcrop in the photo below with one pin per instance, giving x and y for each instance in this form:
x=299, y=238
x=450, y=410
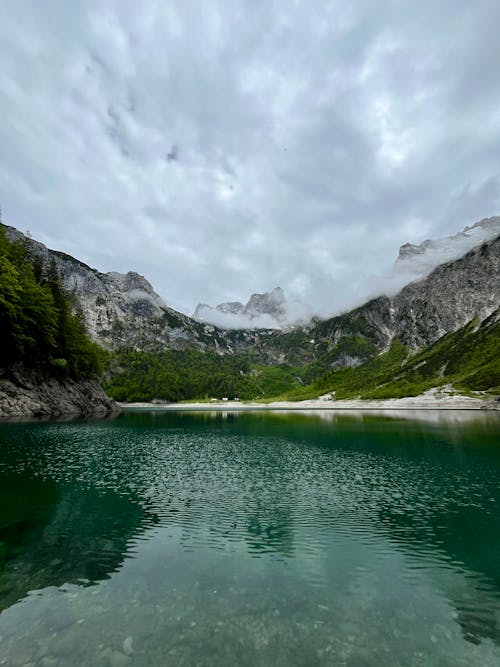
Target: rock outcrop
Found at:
x=203, y=310
x=422, y=312
x=267, y=310
x=122, y=310
x=270, y=303
x=419, y=260
x=29, y=393
x=452, y=295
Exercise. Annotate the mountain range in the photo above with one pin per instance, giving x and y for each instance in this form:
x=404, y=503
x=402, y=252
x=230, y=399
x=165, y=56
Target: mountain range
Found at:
x=122, y=312
x=273, y=310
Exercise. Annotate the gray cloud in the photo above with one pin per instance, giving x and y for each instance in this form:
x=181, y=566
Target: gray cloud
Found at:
x=310, y=140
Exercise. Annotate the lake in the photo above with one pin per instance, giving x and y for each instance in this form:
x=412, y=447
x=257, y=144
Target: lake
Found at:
x=251, y=538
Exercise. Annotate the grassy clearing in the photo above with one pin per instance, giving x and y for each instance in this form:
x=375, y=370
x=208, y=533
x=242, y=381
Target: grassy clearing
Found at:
x=468, y=359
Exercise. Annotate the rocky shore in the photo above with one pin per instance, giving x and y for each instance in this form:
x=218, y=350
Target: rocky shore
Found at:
x=430, y=400
x=26, y=393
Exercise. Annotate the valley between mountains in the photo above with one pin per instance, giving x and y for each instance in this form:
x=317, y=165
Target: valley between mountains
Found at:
x=441, y=330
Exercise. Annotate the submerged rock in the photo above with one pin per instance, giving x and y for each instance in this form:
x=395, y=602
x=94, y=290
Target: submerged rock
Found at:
x=128, y=648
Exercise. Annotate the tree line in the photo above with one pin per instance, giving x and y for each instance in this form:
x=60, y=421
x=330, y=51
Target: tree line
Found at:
x=176, y=375
x=37, y=327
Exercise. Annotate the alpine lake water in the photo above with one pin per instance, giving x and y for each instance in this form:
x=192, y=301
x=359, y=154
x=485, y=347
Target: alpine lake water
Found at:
x=251, y=538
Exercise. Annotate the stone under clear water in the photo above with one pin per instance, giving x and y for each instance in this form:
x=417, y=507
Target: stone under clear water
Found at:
x=251, y=539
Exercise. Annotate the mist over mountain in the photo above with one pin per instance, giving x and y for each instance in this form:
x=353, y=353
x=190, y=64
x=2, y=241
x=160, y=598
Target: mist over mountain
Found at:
x=270, y=310
x=273, y=310
x=148, y=339
x=124, y=311
x=416, y=261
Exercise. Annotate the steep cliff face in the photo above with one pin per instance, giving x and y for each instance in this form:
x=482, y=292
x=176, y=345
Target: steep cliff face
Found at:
x=29, y=393
x=123, y=310
x=203, y=311
x=452, y=295
x=421, y=313
x=270, y=303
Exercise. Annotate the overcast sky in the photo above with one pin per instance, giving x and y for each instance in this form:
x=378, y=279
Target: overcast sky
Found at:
x=223, y=148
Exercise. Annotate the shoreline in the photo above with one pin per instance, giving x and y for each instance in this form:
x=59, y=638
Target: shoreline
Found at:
x=422, y=402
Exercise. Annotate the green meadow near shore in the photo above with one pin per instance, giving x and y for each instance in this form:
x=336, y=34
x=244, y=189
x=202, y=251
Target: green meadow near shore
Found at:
x=468, y=359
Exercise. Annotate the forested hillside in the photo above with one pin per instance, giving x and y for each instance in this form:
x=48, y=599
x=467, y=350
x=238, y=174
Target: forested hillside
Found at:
x=467, y=360
x=385, y=348
x=37, y=327
x=176, y=375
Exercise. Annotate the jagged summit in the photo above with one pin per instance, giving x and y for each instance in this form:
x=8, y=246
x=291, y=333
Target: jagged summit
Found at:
x=231, y=308
x=267, y=310
x=122, y=311
x=420, y=259
x=269, y=303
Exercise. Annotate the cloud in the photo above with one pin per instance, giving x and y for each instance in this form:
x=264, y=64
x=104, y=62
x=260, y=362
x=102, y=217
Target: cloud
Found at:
x=224, y=148
x=288, y=313
x=237, y=321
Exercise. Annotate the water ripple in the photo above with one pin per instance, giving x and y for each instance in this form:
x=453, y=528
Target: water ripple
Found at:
x=340, y=521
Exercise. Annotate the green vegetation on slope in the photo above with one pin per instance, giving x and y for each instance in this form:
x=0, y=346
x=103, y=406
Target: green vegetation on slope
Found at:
x=37, y=328
x=176, y=375
x=469, y=359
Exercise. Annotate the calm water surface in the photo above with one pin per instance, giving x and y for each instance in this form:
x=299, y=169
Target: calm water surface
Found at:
x=251, y=539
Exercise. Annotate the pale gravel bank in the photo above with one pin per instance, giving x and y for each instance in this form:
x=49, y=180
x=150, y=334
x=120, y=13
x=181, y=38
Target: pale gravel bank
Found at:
x=433, y=399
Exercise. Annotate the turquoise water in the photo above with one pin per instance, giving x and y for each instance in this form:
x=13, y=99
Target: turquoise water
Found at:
x=251, y=539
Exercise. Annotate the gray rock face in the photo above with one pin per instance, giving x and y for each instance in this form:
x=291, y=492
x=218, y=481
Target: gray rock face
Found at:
x=267, y=310
x=422, y=312
x=420, y=259
x=203, y=310
x=27, y=393
x=270, y=303
x=200, y=308
x=232, y=307
x=122, y=310
x=452, y=295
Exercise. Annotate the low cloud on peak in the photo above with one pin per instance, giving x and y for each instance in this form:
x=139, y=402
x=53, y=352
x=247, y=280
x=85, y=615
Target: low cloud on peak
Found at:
x=221, y=148
x=269, y=310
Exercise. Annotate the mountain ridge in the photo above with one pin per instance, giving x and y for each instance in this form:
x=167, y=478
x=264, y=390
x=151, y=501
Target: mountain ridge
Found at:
x=267, y=308
x=419, y=259
x=122, y=311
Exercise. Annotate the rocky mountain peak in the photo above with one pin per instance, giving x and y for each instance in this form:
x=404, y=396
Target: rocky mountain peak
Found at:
x=270, y=303
x=420, y=259
x=135, y=287
x=266, y=310
x=233, y=307
x=119, y=309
